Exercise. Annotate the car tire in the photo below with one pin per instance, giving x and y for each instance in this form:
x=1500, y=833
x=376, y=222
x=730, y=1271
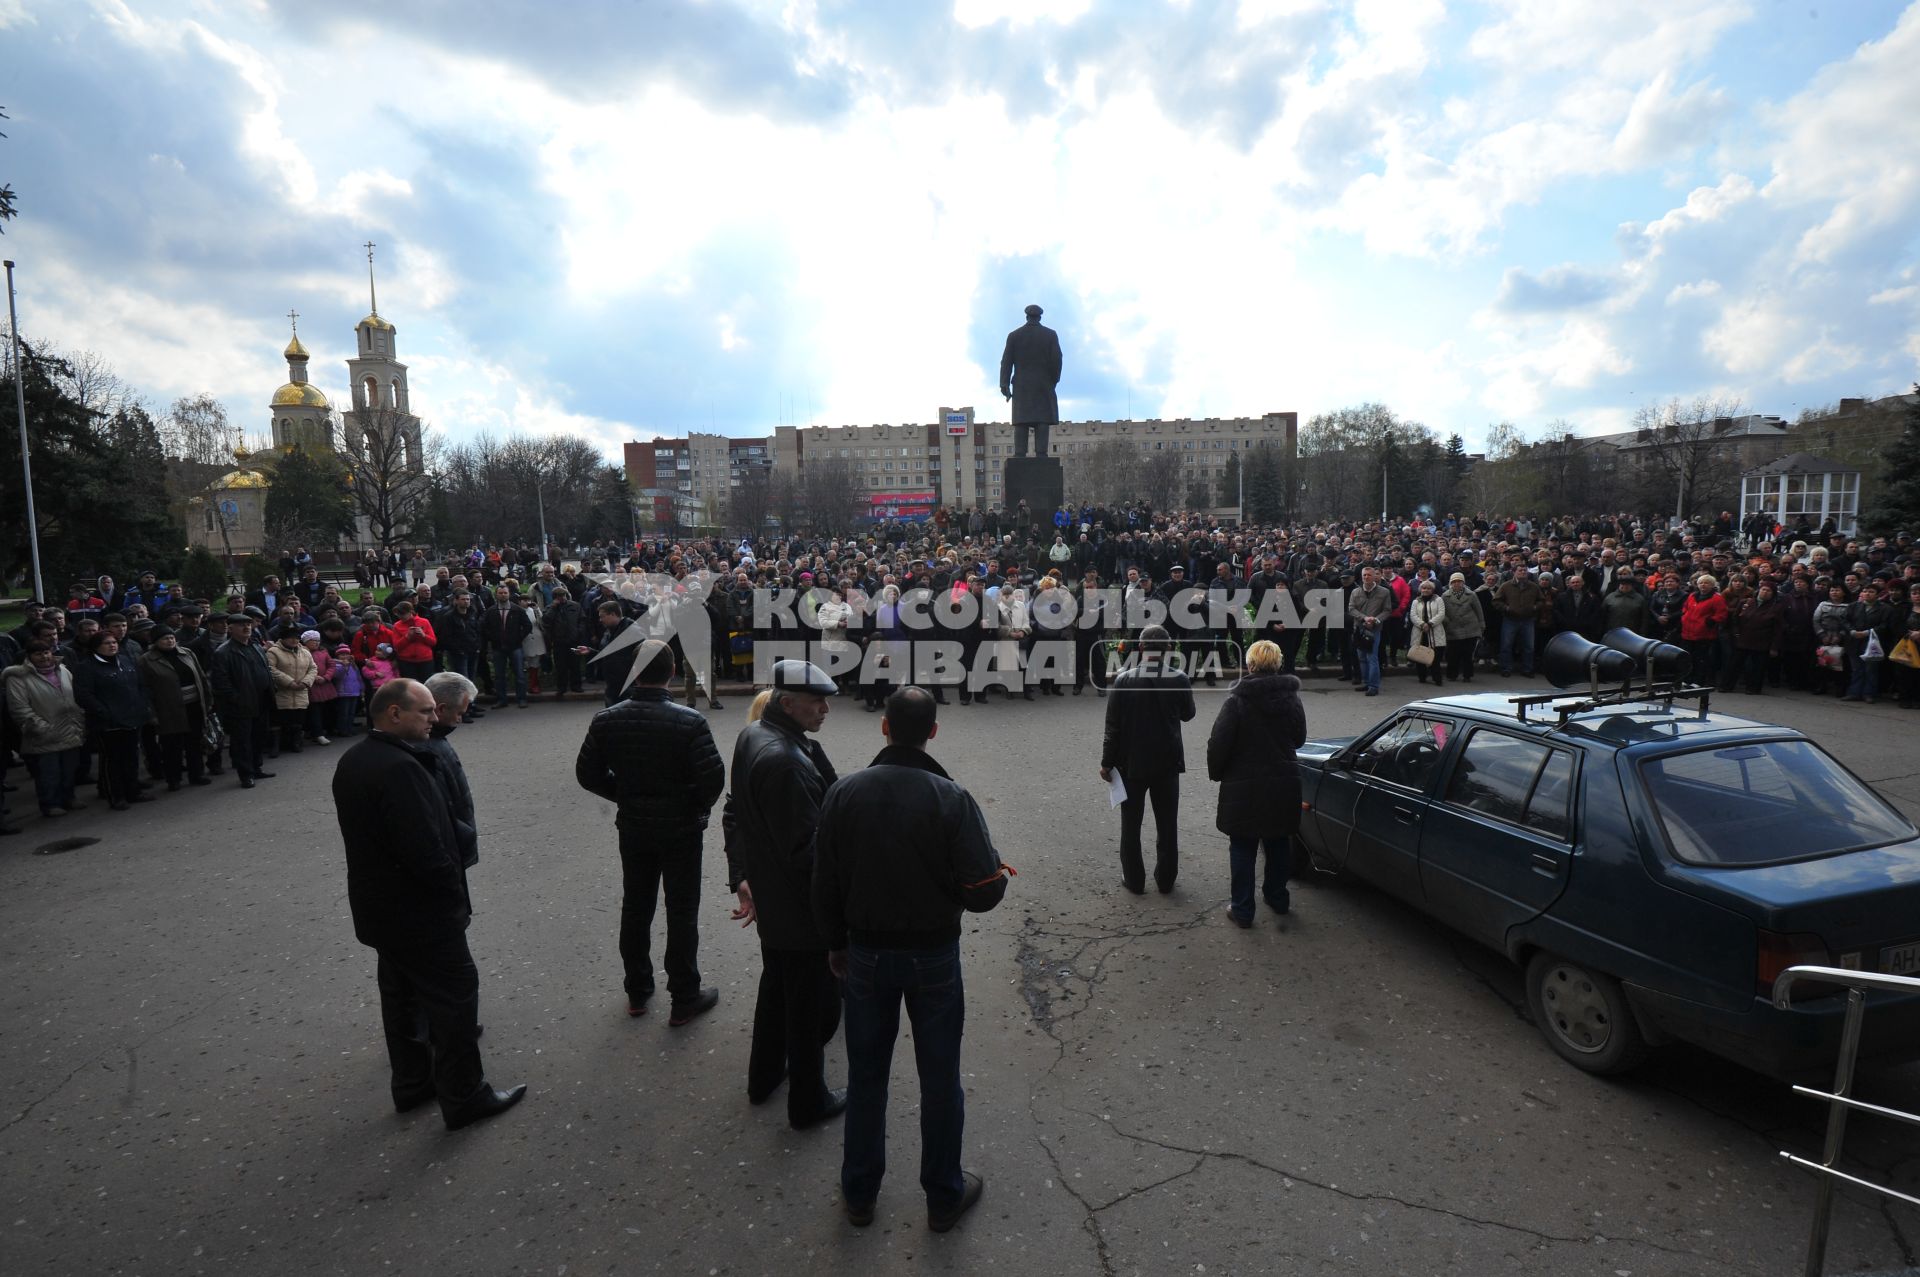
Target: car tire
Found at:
x=1584, y=1015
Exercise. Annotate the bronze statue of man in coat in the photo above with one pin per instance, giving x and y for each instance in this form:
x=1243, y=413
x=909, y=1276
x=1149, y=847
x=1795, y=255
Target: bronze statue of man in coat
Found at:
x=1029, y=371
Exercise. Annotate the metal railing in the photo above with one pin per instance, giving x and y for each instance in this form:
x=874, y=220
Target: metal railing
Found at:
x=1840, y=1100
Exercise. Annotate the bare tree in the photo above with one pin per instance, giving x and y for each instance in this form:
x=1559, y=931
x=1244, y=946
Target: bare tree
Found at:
x=1684, y=443
x=389, y=485
x=86, y=376
x=1160, y=480
x=828, y=492
x=749, y=504
x=1107, y=473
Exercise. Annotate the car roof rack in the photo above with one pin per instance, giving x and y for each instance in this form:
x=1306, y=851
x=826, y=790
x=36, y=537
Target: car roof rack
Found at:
x=1567, y=704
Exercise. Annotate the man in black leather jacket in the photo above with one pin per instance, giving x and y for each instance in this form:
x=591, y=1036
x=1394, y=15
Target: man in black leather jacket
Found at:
x=1142, y=740
x=779, y=780
x=658, y=762
x=901, y=850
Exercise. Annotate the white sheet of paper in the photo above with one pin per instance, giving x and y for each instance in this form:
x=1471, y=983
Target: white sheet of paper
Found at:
x=1116, y=790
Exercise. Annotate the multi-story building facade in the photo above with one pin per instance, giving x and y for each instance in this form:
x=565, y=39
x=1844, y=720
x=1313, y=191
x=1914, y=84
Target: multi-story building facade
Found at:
x=694, y=478
x=905, y=467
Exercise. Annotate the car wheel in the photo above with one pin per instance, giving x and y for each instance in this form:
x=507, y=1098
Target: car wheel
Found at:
x=1584, y=1015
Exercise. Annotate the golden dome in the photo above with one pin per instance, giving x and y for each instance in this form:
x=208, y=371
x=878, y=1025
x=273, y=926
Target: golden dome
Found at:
x=241, y=478
x=299, y=394
x=374, y=321
x=295, y=350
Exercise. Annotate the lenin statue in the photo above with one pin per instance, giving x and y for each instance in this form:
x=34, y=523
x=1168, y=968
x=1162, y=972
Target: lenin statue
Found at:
x=1029, y=370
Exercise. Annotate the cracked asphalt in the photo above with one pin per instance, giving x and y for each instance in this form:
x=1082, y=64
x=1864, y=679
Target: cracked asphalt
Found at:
x=197, y=1083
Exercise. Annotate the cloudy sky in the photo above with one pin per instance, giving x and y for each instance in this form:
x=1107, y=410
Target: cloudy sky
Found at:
x=628, y=219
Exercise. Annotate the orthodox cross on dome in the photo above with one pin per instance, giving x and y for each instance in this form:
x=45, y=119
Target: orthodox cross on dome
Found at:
x=373, y=298
x=293, y=317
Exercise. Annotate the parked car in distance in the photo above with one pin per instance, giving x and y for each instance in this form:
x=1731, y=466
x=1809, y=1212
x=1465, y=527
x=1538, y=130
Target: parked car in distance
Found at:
x=1652, y=866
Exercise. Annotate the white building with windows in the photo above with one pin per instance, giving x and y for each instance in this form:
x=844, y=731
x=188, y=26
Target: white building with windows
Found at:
x=1802, y=488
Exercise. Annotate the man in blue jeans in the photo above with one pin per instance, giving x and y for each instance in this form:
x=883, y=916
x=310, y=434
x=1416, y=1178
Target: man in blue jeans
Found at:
x=900, y=851
x=1518, y=603
x=1369, y=608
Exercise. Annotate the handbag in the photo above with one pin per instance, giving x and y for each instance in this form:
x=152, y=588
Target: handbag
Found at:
x=1420, y=654
x=1873, y=651
x=1830, y=657
x=211, y=730
x=1905, y=653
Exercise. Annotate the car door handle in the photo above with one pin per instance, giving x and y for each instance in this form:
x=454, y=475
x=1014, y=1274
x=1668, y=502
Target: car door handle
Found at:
x=1541, y=860
x=1406, y=815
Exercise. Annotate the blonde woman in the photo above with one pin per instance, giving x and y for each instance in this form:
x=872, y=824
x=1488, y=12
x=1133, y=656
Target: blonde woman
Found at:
x=1251, y=753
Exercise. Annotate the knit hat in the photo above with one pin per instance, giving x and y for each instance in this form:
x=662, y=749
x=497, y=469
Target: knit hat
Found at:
x=343, y=650
x=309, y=636
x=1457, y=576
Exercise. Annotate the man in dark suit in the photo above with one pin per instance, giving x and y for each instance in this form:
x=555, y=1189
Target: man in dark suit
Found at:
x=268, y=596
x=1142, y=742
x=408, y=892
x=1029, y=372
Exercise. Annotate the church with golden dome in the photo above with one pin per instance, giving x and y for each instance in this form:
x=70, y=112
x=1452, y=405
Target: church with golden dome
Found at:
x=230, y=516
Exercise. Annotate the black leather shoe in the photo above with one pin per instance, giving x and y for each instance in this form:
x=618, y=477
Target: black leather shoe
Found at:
x=691, y=1010
x=859, y=1214
x=246, y=781
x=488, y=1103
x=1140, y=890
x=836, y=1105
x=264, y=775
x=942, y=1221
x=408, y=1101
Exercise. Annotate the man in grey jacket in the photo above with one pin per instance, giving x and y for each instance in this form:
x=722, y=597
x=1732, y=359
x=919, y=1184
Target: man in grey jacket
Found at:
x=1368, y=607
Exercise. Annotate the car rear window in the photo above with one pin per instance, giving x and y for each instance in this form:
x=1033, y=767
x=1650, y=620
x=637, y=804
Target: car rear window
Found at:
x=1765, y=803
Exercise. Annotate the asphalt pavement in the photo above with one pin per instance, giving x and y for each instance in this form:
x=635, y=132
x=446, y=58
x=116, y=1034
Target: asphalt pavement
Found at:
x=197, y=1082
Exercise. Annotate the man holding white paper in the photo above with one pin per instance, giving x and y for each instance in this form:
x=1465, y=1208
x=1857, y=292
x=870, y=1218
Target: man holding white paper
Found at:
x=1142, y=755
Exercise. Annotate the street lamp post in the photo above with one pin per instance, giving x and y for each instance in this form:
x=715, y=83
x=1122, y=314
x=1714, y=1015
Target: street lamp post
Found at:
x=26, y=455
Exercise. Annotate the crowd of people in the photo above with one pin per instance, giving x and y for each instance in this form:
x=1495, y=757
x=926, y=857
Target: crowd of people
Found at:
x=128, y=687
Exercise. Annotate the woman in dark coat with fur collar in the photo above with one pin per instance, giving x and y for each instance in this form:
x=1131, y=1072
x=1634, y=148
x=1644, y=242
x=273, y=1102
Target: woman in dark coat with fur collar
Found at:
x=1251, y=753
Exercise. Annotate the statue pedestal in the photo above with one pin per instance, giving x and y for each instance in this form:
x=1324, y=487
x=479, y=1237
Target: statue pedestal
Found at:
x=1040, y=482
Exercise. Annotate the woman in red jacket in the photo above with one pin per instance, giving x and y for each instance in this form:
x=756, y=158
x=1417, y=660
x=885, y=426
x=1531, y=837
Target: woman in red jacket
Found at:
x=1702, y=614
x=373, y=631
x=412, y=643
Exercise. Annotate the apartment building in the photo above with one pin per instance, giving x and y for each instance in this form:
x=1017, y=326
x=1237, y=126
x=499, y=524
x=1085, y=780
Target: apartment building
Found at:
x=910, y=466
x=696, y=474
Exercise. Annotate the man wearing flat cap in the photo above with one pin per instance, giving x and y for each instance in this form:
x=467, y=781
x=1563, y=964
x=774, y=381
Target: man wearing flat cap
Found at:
x=1029, y=372
x=779, y=780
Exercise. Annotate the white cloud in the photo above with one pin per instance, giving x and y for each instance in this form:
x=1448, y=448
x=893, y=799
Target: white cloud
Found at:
x=1890, y=296
x=1852, y=142
x=1694, y=290
x=1753, y=334
x=1821, y=359
x=1018, y=13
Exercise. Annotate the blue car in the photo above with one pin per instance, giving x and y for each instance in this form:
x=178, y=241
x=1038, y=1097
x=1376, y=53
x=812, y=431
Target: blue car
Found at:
x=1651, y=865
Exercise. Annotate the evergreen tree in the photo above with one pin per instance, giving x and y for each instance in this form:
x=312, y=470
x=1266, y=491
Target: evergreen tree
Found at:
x=1457, y=455
x=1898, y=507
x=99, y=484
x=1266, y=498
x=310, y=500
x=1230, y=482
x=203, y=576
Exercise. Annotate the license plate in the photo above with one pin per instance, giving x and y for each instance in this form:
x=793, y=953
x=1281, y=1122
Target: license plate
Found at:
x=1901, y=960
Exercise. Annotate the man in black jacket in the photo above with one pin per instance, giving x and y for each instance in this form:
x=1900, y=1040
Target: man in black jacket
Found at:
x=900, y=851
x=614, y=660
x=1142, y=742
x=657, y=760
x=504, y=628
x=779, y=780
x=243, y=695
x=408, y=892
